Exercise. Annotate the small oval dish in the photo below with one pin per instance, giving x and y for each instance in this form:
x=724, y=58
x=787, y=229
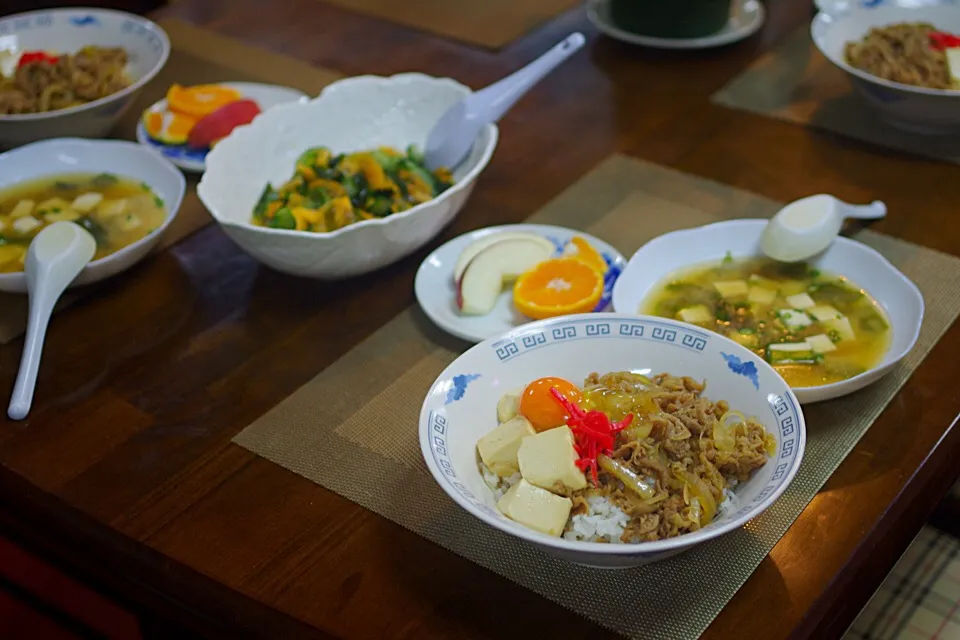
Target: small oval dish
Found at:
x=436, y=284
x=463, y=405
x=864, y=267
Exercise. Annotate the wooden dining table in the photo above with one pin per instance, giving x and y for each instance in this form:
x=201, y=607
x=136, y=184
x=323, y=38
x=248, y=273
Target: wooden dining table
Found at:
x=139, y=491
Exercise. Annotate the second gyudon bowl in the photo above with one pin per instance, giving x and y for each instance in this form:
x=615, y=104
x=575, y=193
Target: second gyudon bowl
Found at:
x=461, y=407
x=354, y=114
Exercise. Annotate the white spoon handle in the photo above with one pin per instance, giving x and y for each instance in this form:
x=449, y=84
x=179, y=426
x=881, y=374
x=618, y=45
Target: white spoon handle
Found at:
x=41, y=308
x=872, y=211
x=492, y=102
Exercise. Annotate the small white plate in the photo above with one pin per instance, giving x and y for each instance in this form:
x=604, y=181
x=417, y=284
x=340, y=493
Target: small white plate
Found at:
x=746, y=18
x=265, y=95
x=436, y=291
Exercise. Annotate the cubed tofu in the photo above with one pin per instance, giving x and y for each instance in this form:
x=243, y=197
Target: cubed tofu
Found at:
x=841, y=326
x=791, y=353
x=696, y=314
x=761, y=295
x=549, y=461
x=953, y=64
x=821, y=343
x=66, y=215
x=110, y=208
x=801, y=301
x=824, y=312
x=731, y=288
x=509, y=404
x=536, y=508
x=87, y=202
x=25, y=225
x=22, y=208
x=498, y=449
x=129, y=222
x=791, y=287
x=53, y=204
x=794, y=318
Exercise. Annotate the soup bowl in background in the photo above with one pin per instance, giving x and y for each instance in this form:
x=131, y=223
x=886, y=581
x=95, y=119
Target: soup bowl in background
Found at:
x=914, y=109
x=863, y=266
x=461, y=407
x=66, y=31
x=74, y=155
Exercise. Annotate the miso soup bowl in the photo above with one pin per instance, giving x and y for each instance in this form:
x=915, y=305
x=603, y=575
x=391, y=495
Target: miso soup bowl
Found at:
x=865, y=267
x=74, y=155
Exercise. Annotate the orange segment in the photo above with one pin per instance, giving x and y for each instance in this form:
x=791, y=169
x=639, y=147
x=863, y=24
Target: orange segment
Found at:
x=168, y=127
x=200, y=100
x=588, y=255
x=558, y=287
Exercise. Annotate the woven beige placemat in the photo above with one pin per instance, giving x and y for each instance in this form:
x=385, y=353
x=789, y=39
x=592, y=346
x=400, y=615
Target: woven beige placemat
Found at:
x=353, y=428
x=794, y=82
x=198, y=56
x=488, y=23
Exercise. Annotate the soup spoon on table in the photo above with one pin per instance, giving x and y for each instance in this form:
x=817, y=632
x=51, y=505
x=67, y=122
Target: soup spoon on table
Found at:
x=450, y=139
x=805, y=227
x=55, y=258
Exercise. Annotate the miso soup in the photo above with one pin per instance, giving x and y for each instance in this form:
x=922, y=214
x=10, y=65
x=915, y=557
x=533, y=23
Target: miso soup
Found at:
x=117, y=211
x=814, y=328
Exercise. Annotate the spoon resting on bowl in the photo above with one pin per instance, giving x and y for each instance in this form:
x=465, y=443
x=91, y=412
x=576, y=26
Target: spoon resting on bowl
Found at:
x=55, y=258
x=805, y=227
x=450, y=139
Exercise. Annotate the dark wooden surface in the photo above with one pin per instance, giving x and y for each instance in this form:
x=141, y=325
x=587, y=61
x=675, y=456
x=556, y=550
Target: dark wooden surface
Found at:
x=125, y=473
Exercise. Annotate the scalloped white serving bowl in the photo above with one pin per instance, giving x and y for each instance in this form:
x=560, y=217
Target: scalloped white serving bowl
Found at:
x=461, y=406
x=66, y=31
x=76, y=155
x=864, y=266
x=913, y=109
x=349, y=115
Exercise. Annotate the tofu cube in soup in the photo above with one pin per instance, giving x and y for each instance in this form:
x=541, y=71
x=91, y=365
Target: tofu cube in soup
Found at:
x=824, y=312
x=794, y=318
x=821, y=343
x=842, y=328
x=536, y=508
x=761, y=295
x=731, y=288
x=548, y=460
x=697, y=314
x=498, y=449
x=22, y=208
x=801, y=301
x=87, y=202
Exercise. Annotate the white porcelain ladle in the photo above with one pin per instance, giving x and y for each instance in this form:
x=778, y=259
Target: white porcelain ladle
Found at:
x=451, y=138
x=55, y=258
x=805, y=227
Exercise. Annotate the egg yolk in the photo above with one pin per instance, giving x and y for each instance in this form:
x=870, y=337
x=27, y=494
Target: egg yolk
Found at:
x=541, y=408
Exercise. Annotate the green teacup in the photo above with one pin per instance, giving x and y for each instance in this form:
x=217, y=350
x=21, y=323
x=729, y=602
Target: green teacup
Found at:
x=671, y=18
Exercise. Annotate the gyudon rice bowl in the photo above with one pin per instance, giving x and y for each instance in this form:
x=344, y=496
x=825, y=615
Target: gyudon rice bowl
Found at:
x=624, y=458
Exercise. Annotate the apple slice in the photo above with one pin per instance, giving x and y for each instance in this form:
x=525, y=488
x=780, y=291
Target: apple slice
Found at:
x=475, y=247
x=483, y=278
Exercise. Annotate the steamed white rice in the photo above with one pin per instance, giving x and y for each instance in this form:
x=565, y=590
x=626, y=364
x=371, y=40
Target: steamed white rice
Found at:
x=605, y=521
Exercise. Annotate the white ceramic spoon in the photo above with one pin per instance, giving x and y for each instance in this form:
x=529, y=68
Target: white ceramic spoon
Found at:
x=805, y=227
x=55, y=258
x=451, y=138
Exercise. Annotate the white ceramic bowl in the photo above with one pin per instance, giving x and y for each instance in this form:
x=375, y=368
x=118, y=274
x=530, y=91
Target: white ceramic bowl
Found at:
x=74, y=155
x=898, y=296
x=915, y=109
x=461, y=407
x=66, y=31
x=349, y=115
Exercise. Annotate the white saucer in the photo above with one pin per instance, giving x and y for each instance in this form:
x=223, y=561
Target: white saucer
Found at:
x=436, y=291
x=746, y=18
x=265, y=95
